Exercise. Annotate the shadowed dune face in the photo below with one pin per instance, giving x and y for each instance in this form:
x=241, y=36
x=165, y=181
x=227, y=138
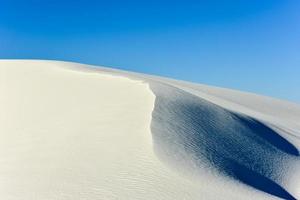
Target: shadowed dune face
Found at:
x=190, y=131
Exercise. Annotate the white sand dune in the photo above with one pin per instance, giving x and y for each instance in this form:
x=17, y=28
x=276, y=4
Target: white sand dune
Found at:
x=70, y=131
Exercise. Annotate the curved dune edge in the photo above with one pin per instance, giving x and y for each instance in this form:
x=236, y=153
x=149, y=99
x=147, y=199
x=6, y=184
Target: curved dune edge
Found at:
x=90, y=166
x=193, y=133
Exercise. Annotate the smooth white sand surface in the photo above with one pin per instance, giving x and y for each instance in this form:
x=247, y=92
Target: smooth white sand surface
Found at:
x=70, y=131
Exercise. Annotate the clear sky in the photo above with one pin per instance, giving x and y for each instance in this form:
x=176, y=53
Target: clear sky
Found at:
x=251, y=45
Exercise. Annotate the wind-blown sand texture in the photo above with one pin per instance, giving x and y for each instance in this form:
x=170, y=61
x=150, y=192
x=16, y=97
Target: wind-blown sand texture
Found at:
x=70, y=131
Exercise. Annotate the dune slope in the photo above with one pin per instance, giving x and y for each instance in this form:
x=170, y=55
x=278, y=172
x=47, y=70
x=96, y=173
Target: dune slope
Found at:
x=72, y=131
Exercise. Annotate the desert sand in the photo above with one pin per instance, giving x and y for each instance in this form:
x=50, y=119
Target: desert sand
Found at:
x=71, y=131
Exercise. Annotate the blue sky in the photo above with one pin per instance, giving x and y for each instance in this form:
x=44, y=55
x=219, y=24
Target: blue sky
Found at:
x=251, y=45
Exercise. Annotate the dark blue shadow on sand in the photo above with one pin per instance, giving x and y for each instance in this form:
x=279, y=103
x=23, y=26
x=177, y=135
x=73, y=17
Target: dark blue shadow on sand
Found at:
x=268, y=135
x=236, y=145
x=254, y=179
